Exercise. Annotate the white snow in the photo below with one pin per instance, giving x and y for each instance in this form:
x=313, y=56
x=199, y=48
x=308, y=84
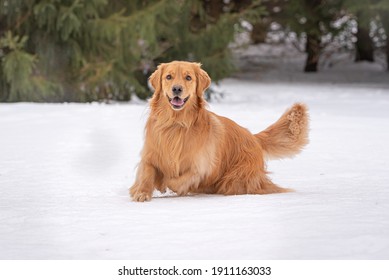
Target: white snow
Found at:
x=65, y=170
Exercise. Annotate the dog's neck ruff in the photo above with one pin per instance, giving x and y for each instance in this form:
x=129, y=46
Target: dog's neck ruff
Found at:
x=185, y=118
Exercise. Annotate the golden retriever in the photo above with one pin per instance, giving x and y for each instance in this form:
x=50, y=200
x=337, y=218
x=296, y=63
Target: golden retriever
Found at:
x=189, y=149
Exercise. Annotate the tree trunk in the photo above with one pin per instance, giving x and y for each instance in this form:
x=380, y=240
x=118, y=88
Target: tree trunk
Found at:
x=214, y=9
x=313, y=32
x=364, y=45
x=385, y=23
x=259, y=32
x=387, y=53
x=313, y=53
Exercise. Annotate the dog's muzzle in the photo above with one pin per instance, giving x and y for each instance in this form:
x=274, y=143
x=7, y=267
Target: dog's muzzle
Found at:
x=177, y=102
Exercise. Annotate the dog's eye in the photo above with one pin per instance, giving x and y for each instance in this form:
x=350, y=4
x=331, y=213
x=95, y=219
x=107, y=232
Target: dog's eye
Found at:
x=168, y=77
x=188, y=78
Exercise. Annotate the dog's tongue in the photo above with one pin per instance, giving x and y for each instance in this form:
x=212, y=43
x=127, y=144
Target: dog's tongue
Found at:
x=176, y=101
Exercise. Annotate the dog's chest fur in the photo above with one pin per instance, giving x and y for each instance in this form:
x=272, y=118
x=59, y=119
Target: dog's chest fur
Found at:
x=179, y=149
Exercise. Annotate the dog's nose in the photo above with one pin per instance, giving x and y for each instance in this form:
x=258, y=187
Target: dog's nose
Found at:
x=177, y=90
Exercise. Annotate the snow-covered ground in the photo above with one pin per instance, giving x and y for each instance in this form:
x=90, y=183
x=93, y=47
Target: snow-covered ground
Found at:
x=65, y=170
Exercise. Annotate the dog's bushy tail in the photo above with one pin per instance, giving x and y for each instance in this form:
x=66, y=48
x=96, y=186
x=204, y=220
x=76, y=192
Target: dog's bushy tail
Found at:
x=288, y=135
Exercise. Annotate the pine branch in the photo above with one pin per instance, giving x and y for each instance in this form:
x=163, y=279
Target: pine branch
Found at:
x=22, y=19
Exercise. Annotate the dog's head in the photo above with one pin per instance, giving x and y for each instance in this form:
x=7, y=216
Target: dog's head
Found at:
x=179, y=84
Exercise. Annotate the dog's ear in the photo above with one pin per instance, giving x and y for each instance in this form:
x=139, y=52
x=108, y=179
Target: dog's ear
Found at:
x=155, y=78
x=203, y=80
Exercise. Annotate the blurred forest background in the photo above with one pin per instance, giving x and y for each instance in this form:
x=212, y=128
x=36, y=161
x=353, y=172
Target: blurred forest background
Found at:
x=101, y=50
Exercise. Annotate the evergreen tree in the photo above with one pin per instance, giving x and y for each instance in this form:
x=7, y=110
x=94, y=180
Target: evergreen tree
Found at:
x=384, y=14
x=274, y=11
x=87, y=50
x=367, y=12
x=382, y=9
x=313, y=19
x=364, y=48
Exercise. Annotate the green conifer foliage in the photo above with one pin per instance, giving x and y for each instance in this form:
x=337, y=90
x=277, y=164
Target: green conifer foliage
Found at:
x=94, y=50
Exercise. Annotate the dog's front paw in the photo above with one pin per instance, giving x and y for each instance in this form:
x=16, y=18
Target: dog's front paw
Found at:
x=161, y=189
x=139, y=195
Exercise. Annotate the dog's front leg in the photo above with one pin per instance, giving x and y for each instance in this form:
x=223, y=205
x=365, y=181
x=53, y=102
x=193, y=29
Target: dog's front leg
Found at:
x=145, y=180
x=183, y=183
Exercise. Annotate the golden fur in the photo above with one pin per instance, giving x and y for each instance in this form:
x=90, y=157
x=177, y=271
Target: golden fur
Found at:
x=189, y=149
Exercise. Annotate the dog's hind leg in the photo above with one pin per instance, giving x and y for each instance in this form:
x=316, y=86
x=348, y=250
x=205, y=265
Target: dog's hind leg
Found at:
x=253, y=184
x=267, y=187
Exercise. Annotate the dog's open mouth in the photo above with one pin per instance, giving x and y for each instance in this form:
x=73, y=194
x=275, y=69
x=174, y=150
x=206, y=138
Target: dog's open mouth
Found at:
x=177, y=103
